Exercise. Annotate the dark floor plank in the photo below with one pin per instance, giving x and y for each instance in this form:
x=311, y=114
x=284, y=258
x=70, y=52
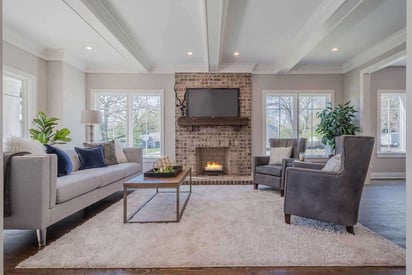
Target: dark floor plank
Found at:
x=382, y=210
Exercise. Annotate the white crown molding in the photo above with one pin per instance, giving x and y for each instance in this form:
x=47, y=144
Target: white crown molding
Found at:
x=328, y=15
x=384, y=46
x=23, y=43
x=216, y=13
x=35, y=49
x=98, y=15
x=388, y=175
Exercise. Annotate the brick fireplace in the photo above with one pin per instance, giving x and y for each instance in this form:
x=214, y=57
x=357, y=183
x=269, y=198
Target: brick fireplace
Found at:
x=195, y=142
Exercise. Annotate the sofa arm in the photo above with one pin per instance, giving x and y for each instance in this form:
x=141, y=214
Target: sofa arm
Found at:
x=134, y=155
x=32, y=187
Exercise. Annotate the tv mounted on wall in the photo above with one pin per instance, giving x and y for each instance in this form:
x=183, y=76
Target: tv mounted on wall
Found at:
x=213, y=102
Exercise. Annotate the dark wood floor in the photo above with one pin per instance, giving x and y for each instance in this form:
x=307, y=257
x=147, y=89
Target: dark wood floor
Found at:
x=382, y=210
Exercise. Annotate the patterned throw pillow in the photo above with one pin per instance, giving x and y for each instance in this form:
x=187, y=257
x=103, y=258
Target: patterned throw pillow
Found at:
x=334, y=164
x=109, y=151
x=91, y=157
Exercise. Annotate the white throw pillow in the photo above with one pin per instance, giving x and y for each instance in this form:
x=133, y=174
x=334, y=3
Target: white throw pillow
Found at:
x=20, y=144
x=334, y=164
x=277, y=154
x=121, y=157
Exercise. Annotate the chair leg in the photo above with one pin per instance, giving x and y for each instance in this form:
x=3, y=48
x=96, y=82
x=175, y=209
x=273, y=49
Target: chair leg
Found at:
x=350, y=230
x=41, y=236
x=256, y=186
x=287, y=218
x=282, y=193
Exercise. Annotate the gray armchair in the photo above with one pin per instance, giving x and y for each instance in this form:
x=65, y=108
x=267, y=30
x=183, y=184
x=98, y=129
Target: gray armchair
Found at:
x=331, y=196
x=273, y=175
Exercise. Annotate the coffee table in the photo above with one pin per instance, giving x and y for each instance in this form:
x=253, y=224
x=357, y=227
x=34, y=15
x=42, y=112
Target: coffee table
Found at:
x=158, y=183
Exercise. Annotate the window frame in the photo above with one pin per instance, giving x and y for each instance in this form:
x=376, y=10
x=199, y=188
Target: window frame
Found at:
x=29, y=96
x=380, y=154
x=129, y=93
x=296, y=95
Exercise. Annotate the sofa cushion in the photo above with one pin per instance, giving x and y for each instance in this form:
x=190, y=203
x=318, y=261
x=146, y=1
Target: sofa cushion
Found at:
x=106, y=175
x=64, y=163
x=132, y=167
x=109, y=151
x=75, y=185
x=91, y=157
x=273, y=170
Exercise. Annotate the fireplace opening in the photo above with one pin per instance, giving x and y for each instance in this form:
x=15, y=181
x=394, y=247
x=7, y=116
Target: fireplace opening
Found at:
x=211, y=161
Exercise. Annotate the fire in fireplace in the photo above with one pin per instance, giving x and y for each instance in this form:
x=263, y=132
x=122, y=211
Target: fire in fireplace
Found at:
x=213, y=166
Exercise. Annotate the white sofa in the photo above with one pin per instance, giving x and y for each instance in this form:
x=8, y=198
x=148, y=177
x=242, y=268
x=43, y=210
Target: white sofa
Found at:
x=39, y=198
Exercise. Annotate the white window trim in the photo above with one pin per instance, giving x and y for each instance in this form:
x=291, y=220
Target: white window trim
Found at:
x=379, y=154
x=140, y=92
x=295, y=94
x=29, y=96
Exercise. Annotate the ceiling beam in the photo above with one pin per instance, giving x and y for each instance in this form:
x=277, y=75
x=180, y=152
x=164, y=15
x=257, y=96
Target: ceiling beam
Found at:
x=100, y=18
x=327, y=16
x=216, y=11
x=391, y=42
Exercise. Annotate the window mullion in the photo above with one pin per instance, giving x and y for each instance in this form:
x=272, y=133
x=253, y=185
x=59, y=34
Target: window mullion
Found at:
x=130, y=121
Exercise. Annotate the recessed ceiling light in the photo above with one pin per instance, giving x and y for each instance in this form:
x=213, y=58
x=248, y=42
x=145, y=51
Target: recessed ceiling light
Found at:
x=189, y=53
x=334, y=49
x=89, y=48
x=236, y=53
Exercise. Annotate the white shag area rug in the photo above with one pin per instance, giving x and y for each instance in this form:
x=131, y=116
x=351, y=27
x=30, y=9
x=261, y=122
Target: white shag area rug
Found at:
x=222, y=226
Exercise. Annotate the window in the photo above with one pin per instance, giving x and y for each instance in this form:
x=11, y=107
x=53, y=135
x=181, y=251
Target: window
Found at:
x=18, y=101
x=293, y=114
x=132, y=118
x=391, y=122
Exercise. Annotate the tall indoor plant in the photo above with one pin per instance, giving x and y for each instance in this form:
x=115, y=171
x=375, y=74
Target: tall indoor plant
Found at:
x=336, y=122
x=44, y=130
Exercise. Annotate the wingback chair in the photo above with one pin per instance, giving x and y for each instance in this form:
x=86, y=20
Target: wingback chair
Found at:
x=331, y=196
x=273, y=174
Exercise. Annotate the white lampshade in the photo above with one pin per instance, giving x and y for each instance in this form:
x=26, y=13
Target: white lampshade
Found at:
x=91, y=117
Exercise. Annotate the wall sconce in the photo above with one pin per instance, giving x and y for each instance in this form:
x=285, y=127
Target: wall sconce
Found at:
x=90, y=118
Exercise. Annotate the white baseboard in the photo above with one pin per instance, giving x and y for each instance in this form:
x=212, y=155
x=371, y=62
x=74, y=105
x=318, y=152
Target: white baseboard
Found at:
x=387, y=175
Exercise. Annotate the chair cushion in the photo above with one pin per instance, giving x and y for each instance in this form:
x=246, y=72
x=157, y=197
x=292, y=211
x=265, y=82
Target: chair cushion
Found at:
x=277, y=154
x=74, y=185
x=273, y=170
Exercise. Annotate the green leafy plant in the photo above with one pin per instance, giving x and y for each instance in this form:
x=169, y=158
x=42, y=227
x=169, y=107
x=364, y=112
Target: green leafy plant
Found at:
x=44, y=130
x=336, y=122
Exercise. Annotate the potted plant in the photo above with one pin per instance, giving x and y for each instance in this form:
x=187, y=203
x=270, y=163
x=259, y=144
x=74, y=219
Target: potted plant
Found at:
x=44, y=131
x=336, y=122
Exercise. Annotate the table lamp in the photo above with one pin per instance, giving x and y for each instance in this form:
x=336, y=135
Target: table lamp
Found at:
x=90, y=118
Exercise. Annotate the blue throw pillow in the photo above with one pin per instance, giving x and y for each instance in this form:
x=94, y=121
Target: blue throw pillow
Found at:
x=91, y=157
x=64, y=164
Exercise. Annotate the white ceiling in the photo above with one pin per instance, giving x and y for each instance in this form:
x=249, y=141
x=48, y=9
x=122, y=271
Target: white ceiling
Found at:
x=154, y=36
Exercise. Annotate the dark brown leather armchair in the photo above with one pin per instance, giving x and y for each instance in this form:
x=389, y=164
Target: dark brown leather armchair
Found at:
x=272, y=174
x=331, y=196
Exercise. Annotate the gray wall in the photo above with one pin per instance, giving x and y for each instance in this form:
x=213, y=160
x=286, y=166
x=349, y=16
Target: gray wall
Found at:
x=286, y=82
x=25, y=62
x=390, y=78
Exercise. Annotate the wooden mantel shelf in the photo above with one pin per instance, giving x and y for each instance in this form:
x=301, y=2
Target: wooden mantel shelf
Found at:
x=213, y=121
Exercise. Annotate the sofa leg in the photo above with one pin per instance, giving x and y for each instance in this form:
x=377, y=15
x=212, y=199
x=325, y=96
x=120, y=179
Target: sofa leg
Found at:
x=41, y=236
x=350, y=230
x=287, y=218
x=282, y=193
x=256, y=186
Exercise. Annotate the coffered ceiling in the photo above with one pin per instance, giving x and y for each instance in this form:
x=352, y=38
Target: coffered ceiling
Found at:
x=155, y=36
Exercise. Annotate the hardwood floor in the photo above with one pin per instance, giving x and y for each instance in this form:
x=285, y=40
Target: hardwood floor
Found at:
x=382, y=210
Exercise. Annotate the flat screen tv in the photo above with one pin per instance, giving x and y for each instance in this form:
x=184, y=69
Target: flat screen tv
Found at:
x=216, y=102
